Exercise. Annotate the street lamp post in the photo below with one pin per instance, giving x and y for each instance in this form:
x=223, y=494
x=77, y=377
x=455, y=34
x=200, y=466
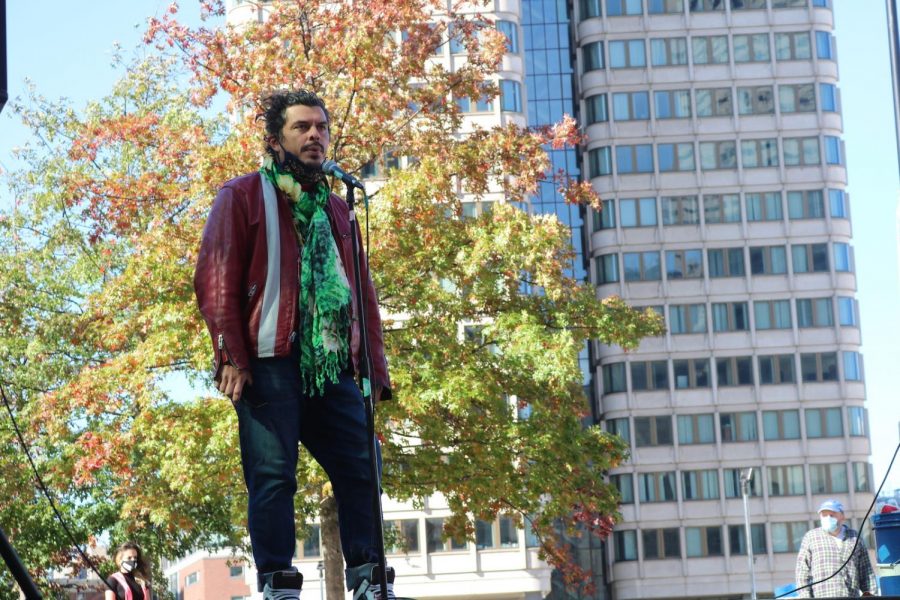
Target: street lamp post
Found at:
x=746, y=477
x=321, y=568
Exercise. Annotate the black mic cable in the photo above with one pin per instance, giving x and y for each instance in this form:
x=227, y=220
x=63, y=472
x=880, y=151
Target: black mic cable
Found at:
x=43, y=488
x=858, y=536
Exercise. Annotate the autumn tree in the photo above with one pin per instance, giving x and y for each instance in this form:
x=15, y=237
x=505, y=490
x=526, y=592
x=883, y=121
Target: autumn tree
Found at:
x=483, y=324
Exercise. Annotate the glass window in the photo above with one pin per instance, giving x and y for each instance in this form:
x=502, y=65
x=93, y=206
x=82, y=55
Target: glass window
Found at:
x=661, y=543
x=707, y=5
x=806, y=205
x=809, y=258
x=797, y=98
x=772, y=314
x=509, y=531
x=589, y=9
x=696, y=429
x=666, y=52
x=842, y=261
x=852, y=366
x=847, y=311
x=837, y=200
x=732, y=481
x=725, y=262
x=606, y=217
x=631, y=106
x=718, y=155
x=793, y=46
x=786, y=480
x=311, y=544
x=592, y=55
x=656, y=487
x=684, y=264
x=789, y=3
x=484, y=535
x=700, y=485
x=624, y=483
x=655, y=7
x=634, y=159
x=715, y=102
x=828, y=479
x=828, y=97
x=824, y=50
x=747, y=4
x=434, y=531
x=824, y=422
x=619, y=426
x=801, y=151
x=738, y=427
x=597, y=110
x=730, y=316
x=751, y=48
x=735, y=370
x=618, y=8
x=675, y=157
x=653, y=431
x=627, y=54
x=649, y=375
x=692, y=373
x=721, y=208
x=818, y=366
x=511, y=32
x=641, y=266
x=833, y=150
x=680, y=210
x=638, y=212
x=625, y=545
x=613, y=378
x=510, y=96
x=703, y=541
x=767, y=260
x=405, y=533
x=235, y=570
x=737, y=542
x=765, y=206
x=687, y=318
x=710, y=50
x=861, y=477
x=672, y=104
x=775, y=369
x=600, y=161
x=607, y=268
x=781, y=425
x=757, y=100
x=759, y=153
x=815, y=312
x=786, y=537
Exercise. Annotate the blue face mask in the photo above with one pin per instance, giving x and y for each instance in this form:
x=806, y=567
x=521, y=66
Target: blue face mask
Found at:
x=829, y=524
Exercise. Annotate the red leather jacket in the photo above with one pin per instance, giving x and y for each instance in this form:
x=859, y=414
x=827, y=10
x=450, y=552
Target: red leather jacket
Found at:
x=251, y=310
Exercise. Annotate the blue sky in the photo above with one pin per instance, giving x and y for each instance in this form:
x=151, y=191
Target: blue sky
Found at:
x=67, y=52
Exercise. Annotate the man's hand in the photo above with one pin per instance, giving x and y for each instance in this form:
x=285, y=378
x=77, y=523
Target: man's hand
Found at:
x=232, y=382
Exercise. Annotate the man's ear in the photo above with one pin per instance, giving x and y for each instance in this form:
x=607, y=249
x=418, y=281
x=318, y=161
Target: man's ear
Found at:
x=274, y=144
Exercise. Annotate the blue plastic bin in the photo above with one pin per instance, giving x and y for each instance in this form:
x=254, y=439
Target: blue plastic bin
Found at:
x=887, y=551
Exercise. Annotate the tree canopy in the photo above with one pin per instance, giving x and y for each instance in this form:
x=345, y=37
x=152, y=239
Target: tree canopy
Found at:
x=483, y=324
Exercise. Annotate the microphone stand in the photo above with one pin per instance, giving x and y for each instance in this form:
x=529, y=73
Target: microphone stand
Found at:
x=14, y=563
x=365, y=370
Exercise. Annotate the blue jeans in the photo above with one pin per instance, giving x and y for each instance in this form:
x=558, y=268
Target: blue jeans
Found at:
x=273, y=416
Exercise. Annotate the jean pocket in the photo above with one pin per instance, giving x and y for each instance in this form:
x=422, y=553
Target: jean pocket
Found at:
x=251, y=398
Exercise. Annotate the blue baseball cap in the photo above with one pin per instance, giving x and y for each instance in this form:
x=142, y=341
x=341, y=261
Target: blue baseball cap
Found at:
x=832, y=505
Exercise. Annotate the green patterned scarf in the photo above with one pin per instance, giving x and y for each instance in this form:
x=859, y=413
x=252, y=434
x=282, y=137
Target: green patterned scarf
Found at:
x=324, y=289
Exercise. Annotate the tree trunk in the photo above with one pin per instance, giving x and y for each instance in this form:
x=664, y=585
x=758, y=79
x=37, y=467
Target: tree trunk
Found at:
x=331, y=548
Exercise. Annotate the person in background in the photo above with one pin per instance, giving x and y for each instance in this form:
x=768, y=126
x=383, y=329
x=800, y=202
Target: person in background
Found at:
x=823, y=552
x=132, y=580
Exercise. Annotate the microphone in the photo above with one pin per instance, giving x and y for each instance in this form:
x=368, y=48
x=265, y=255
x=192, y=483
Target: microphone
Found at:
x=331, y=168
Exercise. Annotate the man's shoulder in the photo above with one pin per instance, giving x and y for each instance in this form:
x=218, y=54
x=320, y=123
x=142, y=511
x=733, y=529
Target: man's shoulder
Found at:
x=244, y=182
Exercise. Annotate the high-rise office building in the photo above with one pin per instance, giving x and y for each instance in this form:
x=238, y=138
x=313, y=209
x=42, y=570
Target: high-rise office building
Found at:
x=714, y=139
x=715, y=142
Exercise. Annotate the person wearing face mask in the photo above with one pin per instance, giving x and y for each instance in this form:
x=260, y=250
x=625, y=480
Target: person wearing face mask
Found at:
x=132, y=580
x=275, y=283
x=823, y=551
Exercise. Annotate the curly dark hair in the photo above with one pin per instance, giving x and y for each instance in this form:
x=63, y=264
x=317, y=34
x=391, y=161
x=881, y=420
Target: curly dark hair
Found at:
x=276, y=103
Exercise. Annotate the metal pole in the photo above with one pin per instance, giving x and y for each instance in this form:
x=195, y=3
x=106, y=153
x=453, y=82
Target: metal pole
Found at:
x=4, y=84
x=746, y=476
x=20, y=574
x=321, y=568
